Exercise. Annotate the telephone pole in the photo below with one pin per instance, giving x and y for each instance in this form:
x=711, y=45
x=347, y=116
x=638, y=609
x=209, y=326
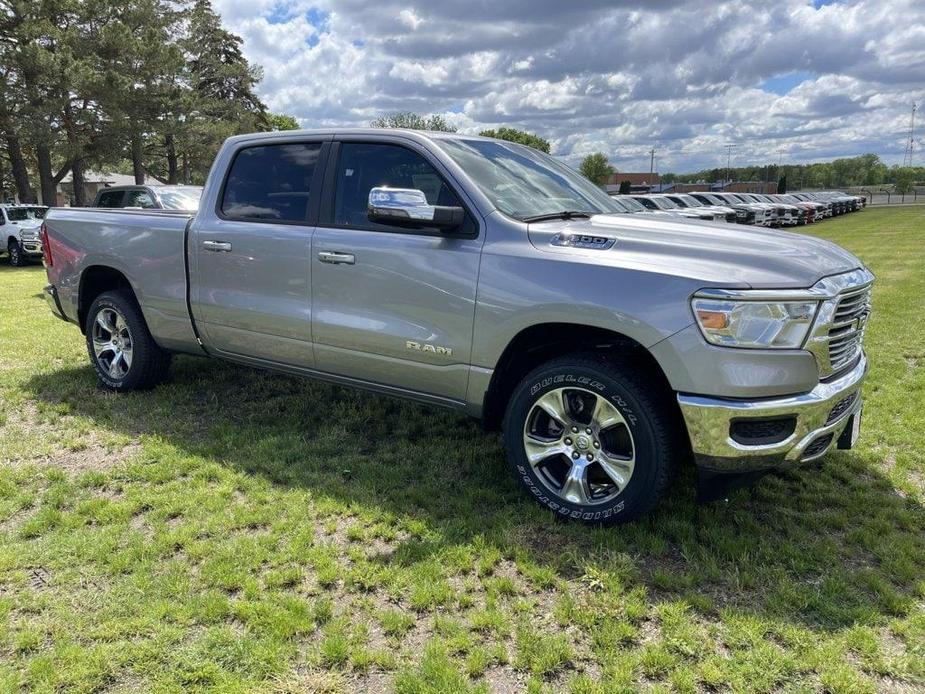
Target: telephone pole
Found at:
x=729, y=147
x=652, y=160
x=910, y=146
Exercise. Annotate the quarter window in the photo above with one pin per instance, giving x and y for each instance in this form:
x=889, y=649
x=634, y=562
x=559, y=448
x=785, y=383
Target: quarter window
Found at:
x=271, y=182
x=363, y=166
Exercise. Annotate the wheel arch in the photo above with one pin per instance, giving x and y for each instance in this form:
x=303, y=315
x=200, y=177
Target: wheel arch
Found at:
x=95, y=280
x=539, y=343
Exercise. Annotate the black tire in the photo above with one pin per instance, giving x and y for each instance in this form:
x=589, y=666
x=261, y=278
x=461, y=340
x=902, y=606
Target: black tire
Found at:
x=648, y=418
x=149, y=363
x=17, y=257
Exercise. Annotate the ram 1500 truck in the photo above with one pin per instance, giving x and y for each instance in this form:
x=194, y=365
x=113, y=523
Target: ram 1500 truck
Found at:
x=487, y=277
x=21, y=224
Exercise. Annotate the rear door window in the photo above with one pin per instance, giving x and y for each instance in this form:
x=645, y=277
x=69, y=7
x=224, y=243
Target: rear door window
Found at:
x=271, y=183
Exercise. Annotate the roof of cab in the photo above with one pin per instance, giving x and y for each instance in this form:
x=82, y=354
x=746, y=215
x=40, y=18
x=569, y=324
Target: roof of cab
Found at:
x=340, y=132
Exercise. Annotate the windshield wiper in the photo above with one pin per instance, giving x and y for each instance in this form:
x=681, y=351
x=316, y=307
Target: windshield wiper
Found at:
x=564, y=214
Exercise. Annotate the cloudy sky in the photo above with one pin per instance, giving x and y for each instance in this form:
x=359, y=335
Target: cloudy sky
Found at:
x=794, y=79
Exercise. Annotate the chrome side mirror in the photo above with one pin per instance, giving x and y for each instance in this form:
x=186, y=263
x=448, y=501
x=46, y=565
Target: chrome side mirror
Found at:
x=409, y=207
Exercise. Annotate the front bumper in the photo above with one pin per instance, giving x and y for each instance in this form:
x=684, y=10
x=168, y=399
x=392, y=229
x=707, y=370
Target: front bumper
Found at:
x=817, y=417
x=31, y=248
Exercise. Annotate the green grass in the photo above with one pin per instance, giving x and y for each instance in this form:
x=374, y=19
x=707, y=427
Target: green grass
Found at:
x=241, y=531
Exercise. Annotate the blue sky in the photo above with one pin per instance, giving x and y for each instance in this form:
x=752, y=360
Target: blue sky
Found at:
x=814, y=80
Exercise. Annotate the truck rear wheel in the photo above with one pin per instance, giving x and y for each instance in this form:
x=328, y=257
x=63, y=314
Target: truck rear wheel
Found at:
x=120, y=346
x=17, y=257
x=591, y=439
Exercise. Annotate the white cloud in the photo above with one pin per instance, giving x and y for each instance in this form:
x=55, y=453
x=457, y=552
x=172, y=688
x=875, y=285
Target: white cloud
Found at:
x=592, y=75
x=410, y=19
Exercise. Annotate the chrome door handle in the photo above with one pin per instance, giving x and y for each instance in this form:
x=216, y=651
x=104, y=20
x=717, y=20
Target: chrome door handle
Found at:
x=337, y=258
x=217, y=246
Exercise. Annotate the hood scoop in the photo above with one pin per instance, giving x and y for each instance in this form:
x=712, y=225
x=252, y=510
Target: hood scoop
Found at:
x=592, y=242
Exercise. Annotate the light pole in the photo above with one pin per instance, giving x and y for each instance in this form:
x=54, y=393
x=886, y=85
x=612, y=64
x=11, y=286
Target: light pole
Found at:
x=729, y=147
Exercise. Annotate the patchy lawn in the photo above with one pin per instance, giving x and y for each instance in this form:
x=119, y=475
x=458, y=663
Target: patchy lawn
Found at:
x=241, y=531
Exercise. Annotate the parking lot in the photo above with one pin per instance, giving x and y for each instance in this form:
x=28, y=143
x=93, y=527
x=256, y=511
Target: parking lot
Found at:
x=236, y=530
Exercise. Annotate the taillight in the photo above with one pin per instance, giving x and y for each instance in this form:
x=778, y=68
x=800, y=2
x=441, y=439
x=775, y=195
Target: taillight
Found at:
x=46, y=246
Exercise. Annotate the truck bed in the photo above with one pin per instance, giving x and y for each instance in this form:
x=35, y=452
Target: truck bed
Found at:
x=148, y=247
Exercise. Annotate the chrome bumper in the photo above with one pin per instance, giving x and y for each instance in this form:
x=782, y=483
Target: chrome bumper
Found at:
x=31, y=248
x=709, y=424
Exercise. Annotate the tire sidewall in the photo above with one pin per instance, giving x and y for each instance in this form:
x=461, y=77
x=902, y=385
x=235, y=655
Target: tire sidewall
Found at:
x=642, y=484
x=118, y=304
x=16, y=255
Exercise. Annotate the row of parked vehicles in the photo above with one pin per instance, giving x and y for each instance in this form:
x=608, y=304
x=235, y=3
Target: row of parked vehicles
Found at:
x=791, y=209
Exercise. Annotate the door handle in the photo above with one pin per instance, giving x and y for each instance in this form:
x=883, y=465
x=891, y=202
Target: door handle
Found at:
x=337, y=258
x=217, y=246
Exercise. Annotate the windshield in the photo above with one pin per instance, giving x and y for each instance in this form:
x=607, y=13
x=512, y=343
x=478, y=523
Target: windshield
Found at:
x=186, y=199
x=620, y=204
x=632, y=205
x=21, y=214
x=666, y=204
x=523, y=182
x=687, y=200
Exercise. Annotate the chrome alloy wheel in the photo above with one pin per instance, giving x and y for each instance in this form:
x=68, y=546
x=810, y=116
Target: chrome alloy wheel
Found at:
x=112, y=343
x=579, y=445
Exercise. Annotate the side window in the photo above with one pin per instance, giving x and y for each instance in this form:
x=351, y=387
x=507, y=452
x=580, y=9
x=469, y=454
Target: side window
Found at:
x=139, y=198
x=111, y=198
x=271, y=182
x=363, y=166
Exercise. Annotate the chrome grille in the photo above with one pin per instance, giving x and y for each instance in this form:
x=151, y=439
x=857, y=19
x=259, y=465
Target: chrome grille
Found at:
x=847, y=328
x=837, y=332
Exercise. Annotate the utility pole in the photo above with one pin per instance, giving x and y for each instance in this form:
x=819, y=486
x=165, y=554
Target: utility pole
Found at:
x=907, y=156
x=652, y=160
x=729, y=147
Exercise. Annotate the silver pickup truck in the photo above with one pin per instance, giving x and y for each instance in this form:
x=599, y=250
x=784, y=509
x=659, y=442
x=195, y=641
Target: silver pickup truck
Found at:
x=486, y=277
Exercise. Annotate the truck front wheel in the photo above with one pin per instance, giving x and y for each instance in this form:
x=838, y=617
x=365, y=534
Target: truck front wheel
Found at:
x=17, y=257
x=591, y=438
x=120, y=346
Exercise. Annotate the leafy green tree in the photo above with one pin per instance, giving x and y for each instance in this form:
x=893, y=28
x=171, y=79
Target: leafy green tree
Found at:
x=626, y=187
x=596, y=168
x=782, y=184
x=282, y=121
x=519, y=136
x=903, y=177
x=413, y=121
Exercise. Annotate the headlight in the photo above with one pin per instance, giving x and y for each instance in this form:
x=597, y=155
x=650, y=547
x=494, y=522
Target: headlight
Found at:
x=755, y=324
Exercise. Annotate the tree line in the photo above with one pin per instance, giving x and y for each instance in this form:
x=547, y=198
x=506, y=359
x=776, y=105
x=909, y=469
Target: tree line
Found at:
x=863, y=170
x=150, y=87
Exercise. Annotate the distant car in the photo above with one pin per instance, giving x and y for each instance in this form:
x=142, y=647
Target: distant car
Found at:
x=722, y=211
x=21, y=224
x=756, y=213
x=149, y=197
x=668, y=207
x=787, y=214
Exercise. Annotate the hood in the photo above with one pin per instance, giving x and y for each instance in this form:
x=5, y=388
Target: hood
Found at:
x=718, y=255
x=28, y=224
